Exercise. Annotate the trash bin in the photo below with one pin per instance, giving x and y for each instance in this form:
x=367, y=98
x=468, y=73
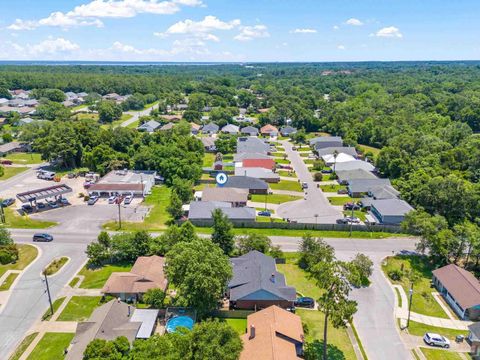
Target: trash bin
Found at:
x=459, y=338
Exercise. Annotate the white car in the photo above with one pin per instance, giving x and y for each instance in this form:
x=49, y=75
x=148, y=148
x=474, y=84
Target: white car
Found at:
x=112, y=199
x=433, y=339
x=128, y=199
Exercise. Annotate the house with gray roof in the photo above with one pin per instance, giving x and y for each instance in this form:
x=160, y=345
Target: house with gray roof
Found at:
x=259, y=173
x=349, y=150
x=245, y=156
x=287, y=130
x=110, y=321
x=345, y=176
x=209, y=128
x=389, y=211
x=167, y=126
x=322, y=142
x=358, y=187
x=354, y=165
x=208, y=144
x=3, y=101
x=230, y=129
x=256, y=283
x=252, y=145
x=254, y=185
x=249, y=130
x=202, y=211
x=384, y=192
x=149, y=126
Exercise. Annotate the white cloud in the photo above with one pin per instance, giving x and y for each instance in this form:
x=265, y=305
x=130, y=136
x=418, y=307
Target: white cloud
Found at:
x=304, y=31
x=90, y=13
x=252, y=32
x=54, y=46
x=341, y=47
x=390, y=31
x=336, y=27
x=354, y=22
x=202, y=29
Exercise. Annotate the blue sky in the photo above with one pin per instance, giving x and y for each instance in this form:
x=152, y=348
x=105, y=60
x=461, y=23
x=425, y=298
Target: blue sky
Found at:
x=241, y=30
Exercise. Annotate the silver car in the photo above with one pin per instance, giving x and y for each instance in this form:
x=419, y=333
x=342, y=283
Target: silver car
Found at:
x=433, y=339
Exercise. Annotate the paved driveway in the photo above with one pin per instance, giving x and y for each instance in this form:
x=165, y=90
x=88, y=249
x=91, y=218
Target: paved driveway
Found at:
x=315, y=202
x=28, y=301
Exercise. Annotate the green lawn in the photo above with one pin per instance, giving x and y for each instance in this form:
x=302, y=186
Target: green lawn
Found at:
x=311, y=318
x=15, y=220
x=78, y=107
x=275, y=198
x=286, y=173
x=278, y=154
x=79, y=308
x=55, y=266
x=24, y=158
x=308, y=161
x=300, y=233
x=26, y=254
x=134, y=124
x=286, y=185
x=340, y=200
x=89, y=116
x=305, y=154
x=51, y=346
x=437, y=354
x=23, y=346
x=332, y=187
x=56, y=304
x=282, y=161
x=156, y=218
x=423, y=301
x=96, y=278
x=208, y=159
x=419, y=329
x=9, y=171
x=268, y=219
x=365, y=148
x=239, y=325
x=119, y=122
x=357, y=213
x=74, y=281
x=8, y=281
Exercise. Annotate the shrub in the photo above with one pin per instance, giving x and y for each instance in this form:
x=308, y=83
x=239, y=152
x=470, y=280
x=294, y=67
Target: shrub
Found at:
x=395, y=275
x=317, y=176
x=8, y=254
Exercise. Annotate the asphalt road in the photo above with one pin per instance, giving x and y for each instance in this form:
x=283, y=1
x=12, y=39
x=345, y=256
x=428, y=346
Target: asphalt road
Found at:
x=136, y=115
x=315, y=202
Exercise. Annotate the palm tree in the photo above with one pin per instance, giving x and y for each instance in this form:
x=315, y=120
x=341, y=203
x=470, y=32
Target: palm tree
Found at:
x=335, y=154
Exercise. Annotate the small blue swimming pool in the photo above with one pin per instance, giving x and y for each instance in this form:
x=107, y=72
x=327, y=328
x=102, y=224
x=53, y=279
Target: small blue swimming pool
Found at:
x=173, y=323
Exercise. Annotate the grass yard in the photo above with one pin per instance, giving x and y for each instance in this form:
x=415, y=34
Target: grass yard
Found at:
x=300, y=233
x=275, y=198
x=134, y=124
x=55, y=266
x=365, y=148
x=239, y=325
x=74, y=281
x=96, y=278
x=56, y=304
x=298, y=277
x=279, y=154
x=282, y=161
x=8, y=281
x=26, y=254
x=308, y=161
x=419, y=329
x=24, y=158
x=9, y=171
x=340, y=200
x=79, y=308
x=51, y=346
x=286, y=185
x=268, y=219
x=118, y=122
x=23, y=346
x=304, y=154
x=357, y=213
x=78, y=107
x=15, y=220
x=332, y=187
x=287, y=173
x=437, y=354
x=423, y=301
x=208, y=159
x=156, y=218
x=83, y=116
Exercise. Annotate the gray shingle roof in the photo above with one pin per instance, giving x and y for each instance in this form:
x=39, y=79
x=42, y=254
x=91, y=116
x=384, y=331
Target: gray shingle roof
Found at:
x=202, y=210
x=356, y=174
x=230, y=128
x=349, y=150
x=352, y=165
x=326, y=139
x=249, y=130
x=246, y=182
x=252, y=145
x=287, y=130
x=211, y=128
x=246, y=155
x=391, y=207
x=384, y=192
x=253, y=272
x=151, y=125
x=365, y=185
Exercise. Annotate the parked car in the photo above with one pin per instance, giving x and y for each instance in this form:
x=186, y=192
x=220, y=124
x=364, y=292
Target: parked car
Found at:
x=112, y=199
x=6, y=162
x=27, y=208
x=42, y=237
x=264, y=213
x=351, y=206
x=8, y=202
x=348, y=220
x=128, y=199
x=41, y=205
x=307, y=302
x=63, y=201
x=433, y=339
x=342, y=191
x=326, y=171
x=52, y=204
x=294, y=148
x=93, y=199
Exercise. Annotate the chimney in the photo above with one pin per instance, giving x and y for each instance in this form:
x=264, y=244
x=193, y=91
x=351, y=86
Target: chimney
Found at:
x=252, y=332
x=272, y=278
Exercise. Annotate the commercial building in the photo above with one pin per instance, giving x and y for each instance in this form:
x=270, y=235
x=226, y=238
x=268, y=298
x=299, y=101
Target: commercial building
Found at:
x=124, y=182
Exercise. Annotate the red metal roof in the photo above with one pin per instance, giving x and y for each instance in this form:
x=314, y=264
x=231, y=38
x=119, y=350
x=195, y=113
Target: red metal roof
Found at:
x=259, y=163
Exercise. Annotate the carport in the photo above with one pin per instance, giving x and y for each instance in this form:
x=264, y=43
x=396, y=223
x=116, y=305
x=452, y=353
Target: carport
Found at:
x=39, y=194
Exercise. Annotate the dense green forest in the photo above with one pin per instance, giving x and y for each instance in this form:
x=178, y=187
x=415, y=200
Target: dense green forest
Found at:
x=425, y=117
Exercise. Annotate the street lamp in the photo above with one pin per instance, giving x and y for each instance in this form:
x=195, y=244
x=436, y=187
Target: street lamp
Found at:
x=316, y=219
x=48, y=291
x=410, y=304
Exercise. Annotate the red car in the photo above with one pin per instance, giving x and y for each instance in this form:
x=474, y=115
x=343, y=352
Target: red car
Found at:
x=6, y=162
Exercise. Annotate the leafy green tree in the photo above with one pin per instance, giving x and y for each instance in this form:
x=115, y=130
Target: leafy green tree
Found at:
x=116, y=349
x=5, y=237
x=154, y=298
x=108, y=111
x=200, y=272
x=226, y=143
x=361, y=268
x=183, y=189
x=174, y=208
x=222, y=231
x=4, y=93
x=313, y=250
x=251, y=242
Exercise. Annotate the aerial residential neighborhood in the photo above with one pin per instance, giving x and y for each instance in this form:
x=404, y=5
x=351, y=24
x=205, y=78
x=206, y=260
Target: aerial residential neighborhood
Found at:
x=253, y=180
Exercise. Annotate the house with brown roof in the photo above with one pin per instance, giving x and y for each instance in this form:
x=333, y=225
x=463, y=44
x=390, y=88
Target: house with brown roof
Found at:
x=273, y=334
x=147, y=273
x=269, y=130
x=461, y=290
x=237, y=197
